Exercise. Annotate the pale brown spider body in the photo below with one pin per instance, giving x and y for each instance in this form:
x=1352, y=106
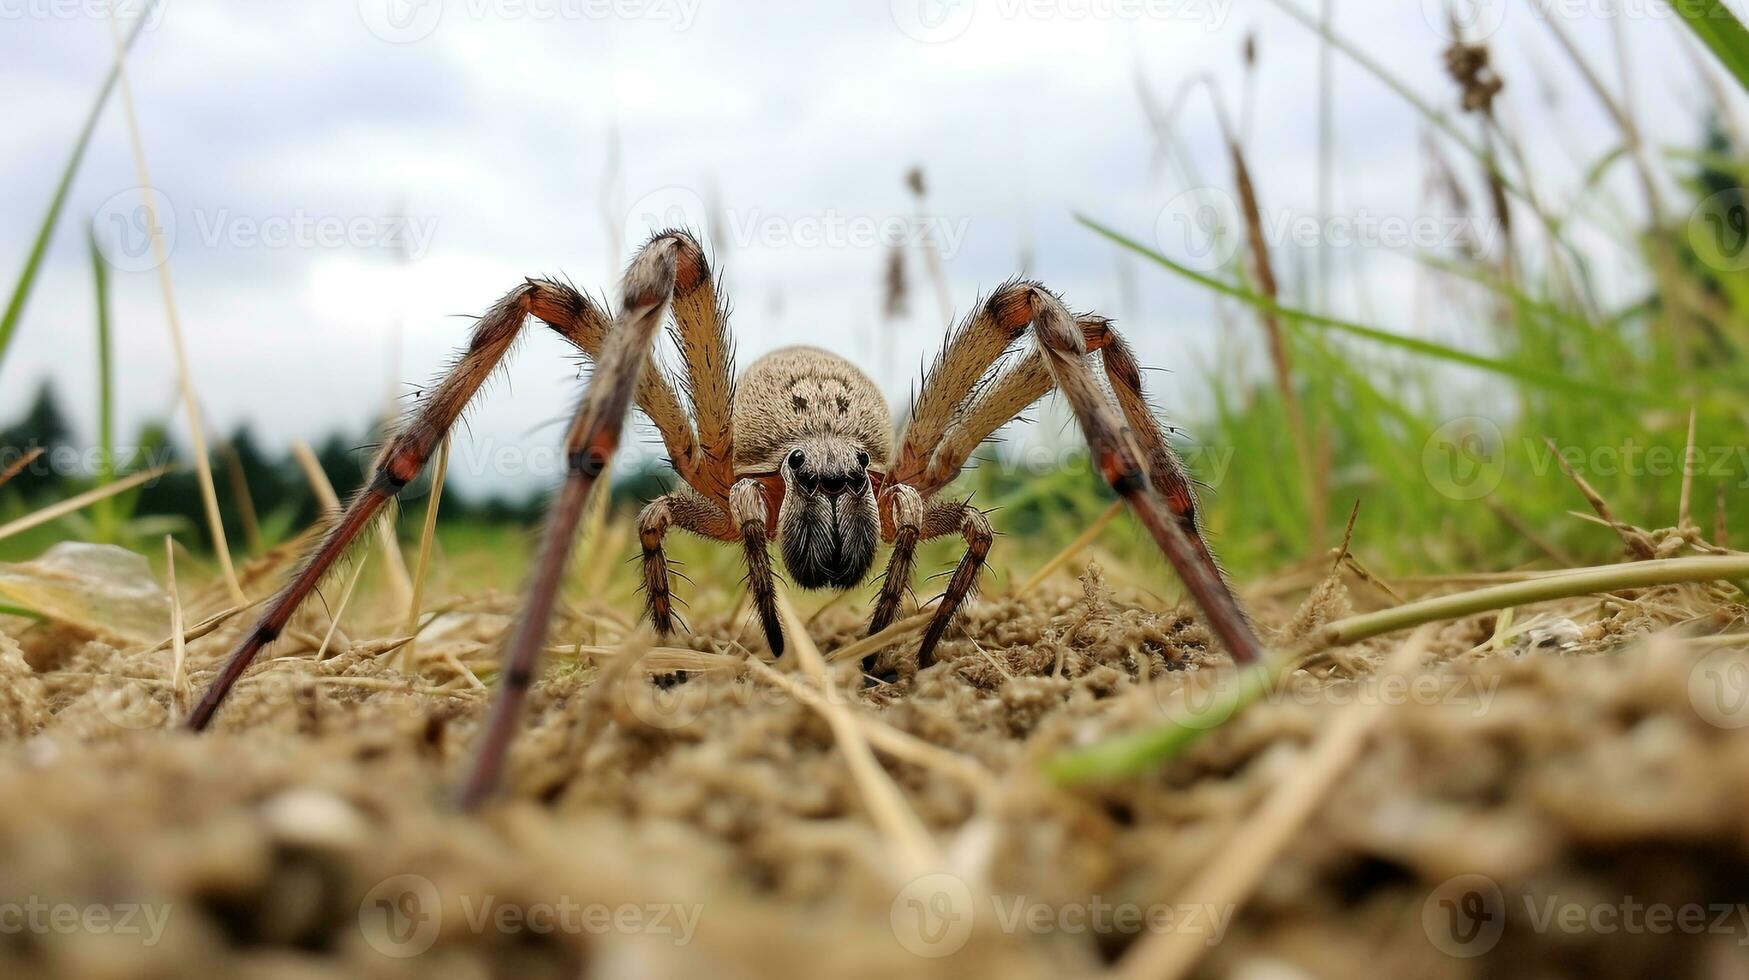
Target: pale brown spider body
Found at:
x=802, y=452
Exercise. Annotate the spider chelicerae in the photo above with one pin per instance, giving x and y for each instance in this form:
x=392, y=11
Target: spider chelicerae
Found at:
x=801, y=449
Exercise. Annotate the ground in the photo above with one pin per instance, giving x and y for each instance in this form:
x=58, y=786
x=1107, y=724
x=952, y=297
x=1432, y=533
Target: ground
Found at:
x=1565, y=795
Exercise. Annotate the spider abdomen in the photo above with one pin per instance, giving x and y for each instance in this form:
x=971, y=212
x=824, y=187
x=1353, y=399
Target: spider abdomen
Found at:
x=804, y=391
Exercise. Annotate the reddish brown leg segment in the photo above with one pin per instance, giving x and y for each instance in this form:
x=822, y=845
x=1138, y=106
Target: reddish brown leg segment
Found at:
x=747, y=513
x=907, y=506
x=1120, y=461
x=591, y=443
x=688, y=511
x=401, y=460
x=945, y=518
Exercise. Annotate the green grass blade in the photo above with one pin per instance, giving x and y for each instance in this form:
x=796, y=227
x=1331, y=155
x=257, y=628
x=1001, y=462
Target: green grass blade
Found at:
x=103, y=515
x=1720, y=30
x=1425, y=348
x=39, y=248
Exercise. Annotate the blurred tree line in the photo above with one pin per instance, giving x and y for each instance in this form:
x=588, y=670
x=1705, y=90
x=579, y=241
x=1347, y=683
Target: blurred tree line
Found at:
x=263, y=493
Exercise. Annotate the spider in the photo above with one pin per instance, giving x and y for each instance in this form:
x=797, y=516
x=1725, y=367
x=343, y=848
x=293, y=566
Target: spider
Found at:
x=802, y=452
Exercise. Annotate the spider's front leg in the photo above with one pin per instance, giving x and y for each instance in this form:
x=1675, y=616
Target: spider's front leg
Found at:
x=665, y=266
x=914, y=521
x=905, y=505
x=688, y=511
x=963, y=401
x=1137, y=462
x=944, y=518
x=747, y=513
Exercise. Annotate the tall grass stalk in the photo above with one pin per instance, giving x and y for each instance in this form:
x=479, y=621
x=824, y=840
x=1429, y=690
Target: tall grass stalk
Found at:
x=103, y=514
x=45, y=231
x=161, y=257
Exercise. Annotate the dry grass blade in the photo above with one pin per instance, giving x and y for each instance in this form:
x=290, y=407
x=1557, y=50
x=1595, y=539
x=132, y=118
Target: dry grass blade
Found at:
x=179, y=657
x=1560, y=585
x=898, y=744
x=395, y=563
x=185, y=380
x=1264, y=268
x=79, y=502
x=887, y=807
x=1075, y=547
x=19, y=464
x=1529, y=533
x=931, y=257
x=1690, y=463
x=873, y=644
x=653, y=661
x=315, y=476
x=201, y=628
x=1229, y=878
x=1721, y=526
x=427, y=538
x=1638, y=545
x=340, y=610
x=245, y=500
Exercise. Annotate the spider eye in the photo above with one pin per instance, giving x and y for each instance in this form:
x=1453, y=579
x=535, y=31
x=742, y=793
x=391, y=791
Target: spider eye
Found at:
x=862, y=459
x=796, y=459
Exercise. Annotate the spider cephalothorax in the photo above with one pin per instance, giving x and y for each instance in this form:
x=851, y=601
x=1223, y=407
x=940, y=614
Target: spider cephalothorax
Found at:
x=803, y=450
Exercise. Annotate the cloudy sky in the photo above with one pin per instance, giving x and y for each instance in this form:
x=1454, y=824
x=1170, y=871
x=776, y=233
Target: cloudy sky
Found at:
x=344, y=181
